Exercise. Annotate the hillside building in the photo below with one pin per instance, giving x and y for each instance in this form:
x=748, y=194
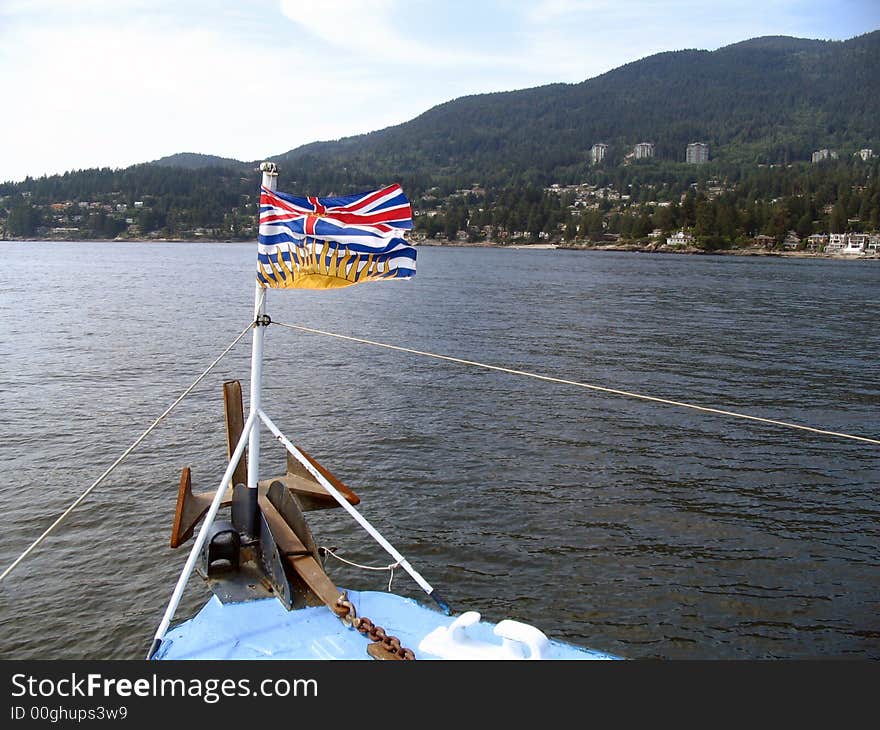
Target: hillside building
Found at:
x=865, y=154
x=822, y=155
x=697, y=153
x=643, y=150
x=597, y=153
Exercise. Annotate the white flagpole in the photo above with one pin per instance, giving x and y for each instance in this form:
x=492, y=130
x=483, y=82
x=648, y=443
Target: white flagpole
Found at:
x=251, y=431
x=250, y=425
x=270, y=180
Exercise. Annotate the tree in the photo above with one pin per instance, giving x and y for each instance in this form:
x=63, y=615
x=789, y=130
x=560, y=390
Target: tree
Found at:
x=664, y=219
x=838, y=219
x=704, y=223
x=804, y=225
x=23, y=220
x=642, y=227
x=689, y=210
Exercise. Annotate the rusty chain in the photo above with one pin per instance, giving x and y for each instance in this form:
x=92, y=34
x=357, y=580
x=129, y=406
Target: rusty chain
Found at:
x=346, y=611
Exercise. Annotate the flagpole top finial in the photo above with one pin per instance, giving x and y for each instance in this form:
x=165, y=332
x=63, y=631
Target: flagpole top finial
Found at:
x=269, y=168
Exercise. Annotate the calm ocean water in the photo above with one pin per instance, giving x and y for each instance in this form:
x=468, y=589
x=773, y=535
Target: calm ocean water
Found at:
x=632, y=527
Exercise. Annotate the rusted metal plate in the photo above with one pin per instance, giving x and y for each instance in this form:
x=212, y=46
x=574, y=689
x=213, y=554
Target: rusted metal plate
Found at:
x=234, y=412
x=294, y=467
x=248, y=583
x=310, y=495
x=297, y=556
x=191, y=508
x=287, y=506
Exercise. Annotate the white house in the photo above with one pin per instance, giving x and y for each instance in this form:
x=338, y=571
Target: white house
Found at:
x=850, y=244
x=680, y=239
x=857, y=243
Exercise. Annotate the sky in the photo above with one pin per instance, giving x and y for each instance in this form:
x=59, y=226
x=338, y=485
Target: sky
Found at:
x=111, y=83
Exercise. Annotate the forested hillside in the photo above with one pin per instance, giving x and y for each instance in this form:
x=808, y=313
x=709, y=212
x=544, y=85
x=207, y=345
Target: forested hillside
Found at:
x=516, y=165
x=768, y=100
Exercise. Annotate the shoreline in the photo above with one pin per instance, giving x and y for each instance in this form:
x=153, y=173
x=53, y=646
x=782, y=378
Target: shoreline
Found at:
x=638, y=248
x=432, y=243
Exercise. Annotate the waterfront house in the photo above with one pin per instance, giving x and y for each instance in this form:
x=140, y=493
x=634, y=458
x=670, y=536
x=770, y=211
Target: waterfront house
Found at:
x=849, y=244
x=836, y=243
x=817, y=241
x=791, y=241
x=856, y=244
x=682, y=238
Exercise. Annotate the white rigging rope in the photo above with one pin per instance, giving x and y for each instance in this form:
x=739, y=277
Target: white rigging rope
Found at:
x=118, y=461
x=391, y=567
x=602, y=389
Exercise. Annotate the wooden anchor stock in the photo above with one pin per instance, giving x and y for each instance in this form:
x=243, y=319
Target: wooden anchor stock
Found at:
x=310, y=495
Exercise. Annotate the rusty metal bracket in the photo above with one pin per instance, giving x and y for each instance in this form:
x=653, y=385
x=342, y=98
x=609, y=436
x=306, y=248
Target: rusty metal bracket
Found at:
x=191, y=508
x=298, y=557
x=310, y=495
x=233, y=412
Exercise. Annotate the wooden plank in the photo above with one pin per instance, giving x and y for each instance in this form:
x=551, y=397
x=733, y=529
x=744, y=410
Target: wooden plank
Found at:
x=293, y=550
x=234, y=411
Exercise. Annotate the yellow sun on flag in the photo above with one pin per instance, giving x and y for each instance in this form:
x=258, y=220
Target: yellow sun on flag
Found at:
x=308, y=268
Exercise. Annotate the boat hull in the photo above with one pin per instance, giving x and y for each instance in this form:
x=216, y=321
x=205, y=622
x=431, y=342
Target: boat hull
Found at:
x=264, y=629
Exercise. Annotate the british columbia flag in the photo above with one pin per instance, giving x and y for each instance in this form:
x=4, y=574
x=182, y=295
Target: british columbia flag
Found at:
x=318, y=243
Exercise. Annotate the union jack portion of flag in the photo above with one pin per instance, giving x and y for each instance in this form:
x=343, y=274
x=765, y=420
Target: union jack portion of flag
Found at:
x=321, y=243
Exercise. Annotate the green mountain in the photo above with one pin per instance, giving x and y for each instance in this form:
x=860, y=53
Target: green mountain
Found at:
x=196, y=161
x=766, y=100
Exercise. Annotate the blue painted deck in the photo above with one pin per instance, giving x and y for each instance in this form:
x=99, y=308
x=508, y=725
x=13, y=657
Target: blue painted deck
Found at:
x=263, y=629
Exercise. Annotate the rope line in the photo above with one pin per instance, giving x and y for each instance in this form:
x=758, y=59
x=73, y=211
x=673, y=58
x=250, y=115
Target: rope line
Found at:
x=589, y=386
x=118, y=461
x=358, y=565
x=391, y=567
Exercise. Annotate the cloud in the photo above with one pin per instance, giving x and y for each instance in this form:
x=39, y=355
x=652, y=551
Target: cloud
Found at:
x=353, y=26
x=103, y=94
x=375, y=30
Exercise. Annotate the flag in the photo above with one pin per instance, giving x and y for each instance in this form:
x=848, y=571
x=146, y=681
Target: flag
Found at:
x=324, y=243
